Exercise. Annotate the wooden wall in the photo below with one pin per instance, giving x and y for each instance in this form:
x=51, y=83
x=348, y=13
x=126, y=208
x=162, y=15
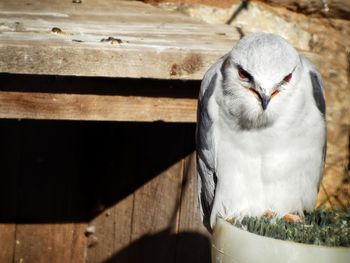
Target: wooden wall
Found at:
x=75, y=191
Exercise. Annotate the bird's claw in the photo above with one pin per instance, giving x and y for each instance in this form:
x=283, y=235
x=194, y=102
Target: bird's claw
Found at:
x=269, y=213
x=291, y=218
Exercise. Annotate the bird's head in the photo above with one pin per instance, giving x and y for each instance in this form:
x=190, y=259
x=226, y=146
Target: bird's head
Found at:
x=259, y=78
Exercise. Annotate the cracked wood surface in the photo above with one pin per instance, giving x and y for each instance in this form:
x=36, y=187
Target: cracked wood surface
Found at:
x=107, y=38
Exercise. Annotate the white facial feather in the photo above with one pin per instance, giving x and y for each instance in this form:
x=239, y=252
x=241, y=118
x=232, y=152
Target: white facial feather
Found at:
x=268, y=59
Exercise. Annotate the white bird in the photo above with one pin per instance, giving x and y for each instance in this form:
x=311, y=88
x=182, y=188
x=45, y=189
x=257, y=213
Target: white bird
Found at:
x=261, y=132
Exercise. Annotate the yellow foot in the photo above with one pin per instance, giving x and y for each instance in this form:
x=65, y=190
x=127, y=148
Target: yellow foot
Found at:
x=269, y=213
x=231, y=220
x=291, y=218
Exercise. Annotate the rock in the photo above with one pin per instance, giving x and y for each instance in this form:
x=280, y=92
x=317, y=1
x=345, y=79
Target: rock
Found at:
x=317, y=8
x=216, y=3
x=327, y=8
x=255, y=17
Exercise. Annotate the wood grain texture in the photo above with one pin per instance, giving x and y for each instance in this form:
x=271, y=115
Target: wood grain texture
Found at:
x=49, y=200
x=135, y=170
x=192, y=233
x=95, y=107
x=7, y=242
x=189, y=216
x=150, y=42
x=161, y=215
x=154, y=217
x=146, y=168
x=56, y=243
x=113, y=232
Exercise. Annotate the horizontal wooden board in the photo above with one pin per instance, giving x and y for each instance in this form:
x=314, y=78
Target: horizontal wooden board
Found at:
x=62, y=38
x=30, y=105
x=107, y=38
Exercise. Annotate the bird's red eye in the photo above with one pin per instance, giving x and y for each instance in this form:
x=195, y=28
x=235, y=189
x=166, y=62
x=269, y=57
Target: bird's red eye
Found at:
x=243, y=74
x=287, y=78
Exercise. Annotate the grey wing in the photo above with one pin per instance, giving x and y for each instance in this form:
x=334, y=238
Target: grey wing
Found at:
x=319, y=100
x=318, y=94
x=317, y=85
x=205, y=149
x=317, y=91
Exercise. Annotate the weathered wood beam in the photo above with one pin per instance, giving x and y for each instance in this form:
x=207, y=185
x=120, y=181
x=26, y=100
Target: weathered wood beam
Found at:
x=30, y=105
x=119, y=39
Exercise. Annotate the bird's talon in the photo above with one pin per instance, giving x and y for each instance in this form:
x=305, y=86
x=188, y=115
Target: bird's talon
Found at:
x=291, y=218
x=231, y=220
x=269, y=213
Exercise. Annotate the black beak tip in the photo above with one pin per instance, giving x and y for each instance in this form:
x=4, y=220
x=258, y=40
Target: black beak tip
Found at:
x=264, y=102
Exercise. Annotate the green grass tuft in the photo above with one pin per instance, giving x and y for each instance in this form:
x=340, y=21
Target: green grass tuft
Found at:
x=321, y=227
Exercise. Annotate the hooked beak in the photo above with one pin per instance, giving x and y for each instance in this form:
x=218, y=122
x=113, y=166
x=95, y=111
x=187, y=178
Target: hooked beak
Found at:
x=264, y=99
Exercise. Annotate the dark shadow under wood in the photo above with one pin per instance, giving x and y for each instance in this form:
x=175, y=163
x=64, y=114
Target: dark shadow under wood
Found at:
x=56, y=171
x=100, y=85
x=195, y=248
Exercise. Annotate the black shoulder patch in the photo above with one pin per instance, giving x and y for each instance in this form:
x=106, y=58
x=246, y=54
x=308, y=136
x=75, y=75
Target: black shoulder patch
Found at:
x=317, y=92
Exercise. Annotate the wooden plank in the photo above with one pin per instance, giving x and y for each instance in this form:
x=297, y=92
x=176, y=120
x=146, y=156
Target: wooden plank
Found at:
x=112, y=232
x=154, y=43
x=148, y=42
x=111, y=148
x=189, y=216
x=158, y=172
x=95, y=107
x=10, y=139
x=160, y=215
x=154, y=218
x=56, y=243
x=73, y=59
x=7, y=242
x=149, y=159
x=59, y=8
x=50, y=206
x=192, y=233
